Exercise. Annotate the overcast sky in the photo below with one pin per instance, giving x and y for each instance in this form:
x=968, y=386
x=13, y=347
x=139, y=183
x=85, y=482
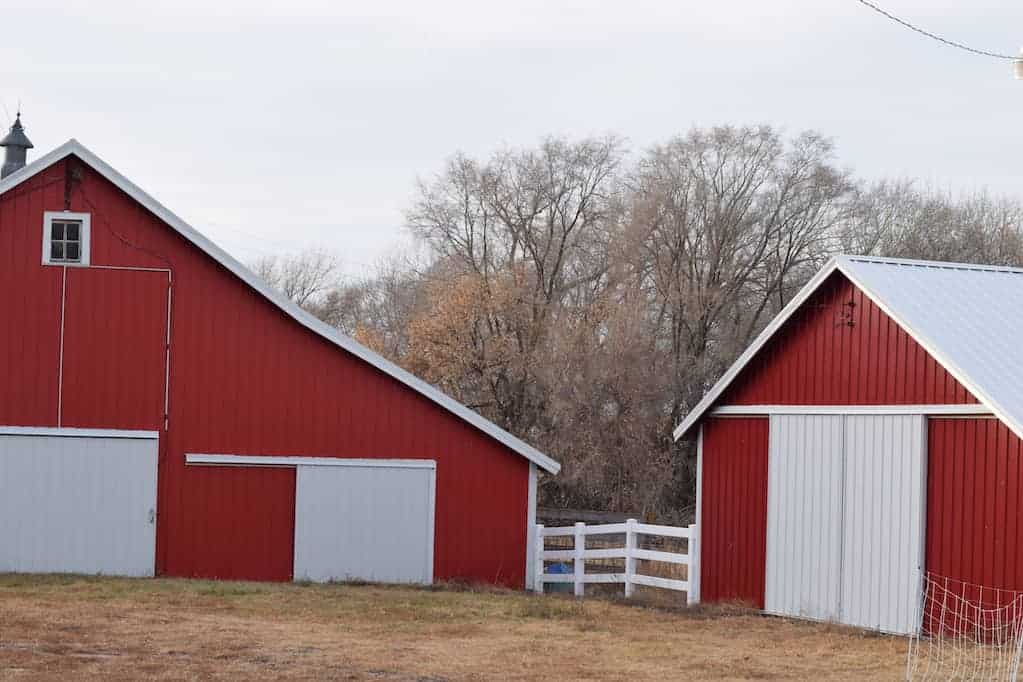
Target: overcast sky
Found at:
x=271, y=127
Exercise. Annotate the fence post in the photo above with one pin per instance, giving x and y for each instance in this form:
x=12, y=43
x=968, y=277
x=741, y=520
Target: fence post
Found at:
x=693, y=570
x=630, y=559
x=538, y=566
x=580, y=564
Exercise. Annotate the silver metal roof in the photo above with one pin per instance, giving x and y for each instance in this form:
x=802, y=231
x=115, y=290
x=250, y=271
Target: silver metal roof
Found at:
x=74, y=147
x=968, y=317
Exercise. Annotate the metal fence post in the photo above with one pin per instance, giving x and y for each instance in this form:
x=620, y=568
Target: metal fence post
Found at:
x=580, y=564
x=630, y=559
x=538, y=566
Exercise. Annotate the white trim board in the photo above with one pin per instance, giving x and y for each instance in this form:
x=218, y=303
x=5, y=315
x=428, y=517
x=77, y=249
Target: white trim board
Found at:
x=696, y=566
x=844, y=265
x=935, y=410
x=75, y=148
x=289, y=461
x=531, y=528
x=76, y=433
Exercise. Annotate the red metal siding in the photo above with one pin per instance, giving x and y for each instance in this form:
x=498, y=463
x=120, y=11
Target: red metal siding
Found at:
x=115, y=339
x=30, y=306
x=974, y=508
x=734, y=510
x=819, y=359
x=245, y=379
x=240, y=525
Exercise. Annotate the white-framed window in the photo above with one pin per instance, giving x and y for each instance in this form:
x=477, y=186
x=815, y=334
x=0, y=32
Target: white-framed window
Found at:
x=66, y=238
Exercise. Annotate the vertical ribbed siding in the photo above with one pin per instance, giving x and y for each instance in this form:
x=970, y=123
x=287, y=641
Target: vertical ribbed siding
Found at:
x=734, y=510
x=804, y=516
x=882, y=540
x=77, y=505
x=30, y=305
x=819, y=359
x=115, y=338
x=245, y=379
x=845, y=519
x=974, y=509
x=364, y=523
x=241, y=524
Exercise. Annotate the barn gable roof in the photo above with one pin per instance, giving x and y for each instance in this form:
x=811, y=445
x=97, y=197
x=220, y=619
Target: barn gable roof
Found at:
x=75, y=148
x=968, y=317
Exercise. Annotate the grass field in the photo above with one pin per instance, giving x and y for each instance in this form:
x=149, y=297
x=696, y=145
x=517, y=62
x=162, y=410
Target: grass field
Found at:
x=68, y=627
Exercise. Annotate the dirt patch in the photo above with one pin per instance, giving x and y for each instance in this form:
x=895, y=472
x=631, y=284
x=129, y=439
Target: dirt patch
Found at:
x=95, y=628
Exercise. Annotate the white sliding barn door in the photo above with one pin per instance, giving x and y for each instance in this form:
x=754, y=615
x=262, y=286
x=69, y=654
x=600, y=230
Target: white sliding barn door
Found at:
x=77, y=504
x=804, y=516
x=883, y=530
x=845, y=519
x=365, y=521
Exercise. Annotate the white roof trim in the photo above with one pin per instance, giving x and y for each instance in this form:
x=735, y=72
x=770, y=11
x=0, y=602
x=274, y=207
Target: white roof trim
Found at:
x=64, y=432
x=968, y=409
x=293, y=461
x=73, y=147
x=840, y=263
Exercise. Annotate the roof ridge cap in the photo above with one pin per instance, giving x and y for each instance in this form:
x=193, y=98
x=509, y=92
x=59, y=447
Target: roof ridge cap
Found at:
x=938, y=265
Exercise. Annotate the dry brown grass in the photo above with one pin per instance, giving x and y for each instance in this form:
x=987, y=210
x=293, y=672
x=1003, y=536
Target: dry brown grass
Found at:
x=74, y=627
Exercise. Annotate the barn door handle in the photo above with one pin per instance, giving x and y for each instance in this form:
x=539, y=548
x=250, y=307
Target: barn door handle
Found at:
x=152, y=516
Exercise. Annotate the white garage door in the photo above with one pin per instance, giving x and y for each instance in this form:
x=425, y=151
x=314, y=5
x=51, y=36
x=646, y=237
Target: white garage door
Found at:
x=845, y=522
x=82, y=503
x=365, y=520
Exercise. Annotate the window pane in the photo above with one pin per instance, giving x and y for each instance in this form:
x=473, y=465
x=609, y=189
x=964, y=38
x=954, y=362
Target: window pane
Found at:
x=57, y=251
x=72, y=252
x=72, y=231
x=57, y=231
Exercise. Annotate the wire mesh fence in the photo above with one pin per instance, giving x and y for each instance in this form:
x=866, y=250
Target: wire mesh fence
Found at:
x=968, y=632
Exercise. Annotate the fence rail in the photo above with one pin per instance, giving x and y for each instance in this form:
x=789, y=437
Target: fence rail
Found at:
x=628, y=535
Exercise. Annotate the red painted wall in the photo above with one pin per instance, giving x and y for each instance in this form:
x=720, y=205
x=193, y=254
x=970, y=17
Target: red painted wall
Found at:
x=242, y=526
x=818, y=359
x=734, y=510
x=244, y=379
x=974, y=510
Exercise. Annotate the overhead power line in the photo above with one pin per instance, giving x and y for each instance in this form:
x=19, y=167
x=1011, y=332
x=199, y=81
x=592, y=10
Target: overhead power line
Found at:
x=933, y=36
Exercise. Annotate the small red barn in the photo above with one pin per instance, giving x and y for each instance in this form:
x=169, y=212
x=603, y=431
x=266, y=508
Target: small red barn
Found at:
x=869, y=438
x=163, y=411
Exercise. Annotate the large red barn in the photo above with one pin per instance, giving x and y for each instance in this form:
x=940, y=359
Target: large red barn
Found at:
x=163, y=411
x=866, y=444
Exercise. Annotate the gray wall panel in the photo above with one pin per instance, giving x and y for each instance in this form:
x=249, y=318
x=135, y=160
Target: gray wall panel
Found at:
x=365, y=523
x=804, y=509
x=77, y=505
x=845, y=519
x=883, y=526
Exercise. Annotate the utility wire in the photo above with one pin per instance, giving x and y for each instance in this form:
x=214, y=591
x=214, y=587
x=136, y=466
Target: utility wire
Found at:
x=933, y=36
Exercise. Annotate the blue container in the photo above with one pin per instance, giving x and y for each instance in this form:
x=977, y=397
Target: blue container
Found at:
x=560, y=568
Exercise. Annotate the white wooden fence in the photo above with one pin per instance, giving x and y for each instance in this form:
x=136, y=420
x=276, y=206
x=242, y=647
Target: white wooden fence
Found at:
x=630, y=552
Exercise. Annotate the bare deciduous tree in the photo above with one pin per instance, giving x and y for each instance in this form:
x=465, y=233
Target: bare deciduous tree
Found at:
x=303, y=277
x=585, y=304
x=514, y=235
